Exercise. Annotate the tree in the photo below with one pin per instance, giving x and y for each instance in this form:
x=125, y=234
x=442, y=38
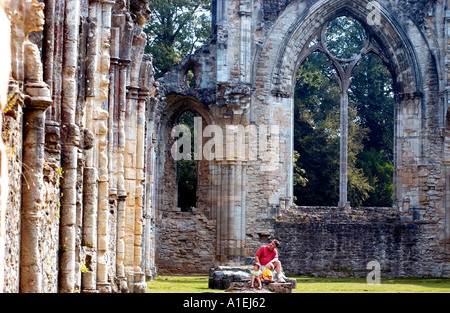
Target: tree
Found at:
x=177, y=27
x=372, y=95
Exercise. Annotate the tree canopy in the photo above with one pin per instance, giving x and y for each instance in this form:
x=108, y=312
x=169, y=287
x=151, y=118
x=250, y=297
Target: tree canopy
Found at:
x=177, y=27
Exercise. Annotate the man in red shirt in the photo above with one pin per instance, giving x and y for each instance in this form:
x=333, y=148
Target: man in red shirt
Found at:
x=269, y=254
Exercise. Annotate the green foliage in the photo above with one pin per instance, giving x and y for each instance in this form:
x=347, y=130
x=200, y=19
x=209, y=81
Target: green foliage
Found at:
x=379, y=173
x=299, y=172
x=345, y=37
x=316, y=132
x=372, y=94
x=177, y=27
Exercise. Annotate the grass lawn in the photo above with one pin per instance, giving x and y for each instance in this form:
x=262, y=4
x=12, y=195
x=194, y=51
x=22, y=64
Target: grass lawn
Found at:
x=199, y=284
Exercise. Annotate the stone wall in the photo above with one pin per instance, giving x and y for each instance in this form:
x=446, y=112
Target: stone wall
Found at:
x=327, y=242
x=12, y=136
x=185, y=244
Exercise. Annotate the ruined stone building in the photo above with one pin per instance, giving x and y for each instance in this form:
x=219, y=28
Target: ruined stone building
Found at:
x=89, y=182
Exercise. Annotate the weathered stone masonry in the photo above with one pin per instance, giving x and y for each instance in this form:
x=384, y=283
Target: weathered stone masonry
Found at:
x=89, y=186
x=75, y=126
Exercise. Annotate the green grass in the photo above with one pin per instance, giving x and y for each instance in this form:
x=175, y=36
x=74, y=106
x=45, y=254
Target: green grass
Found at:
x=179, y=284
x=199, y=284
x=416, y=285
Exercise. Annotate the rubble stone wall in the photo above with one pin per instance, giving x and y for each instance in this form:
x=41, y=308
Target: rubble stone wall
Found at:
x=326, y=242
x=186, y=244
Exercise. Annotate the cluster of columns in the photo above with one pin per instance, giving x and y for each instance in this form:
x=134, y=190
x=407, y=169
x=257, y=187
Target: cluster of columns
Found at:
x=5, y=54
x=91, y=85
x=229, y=179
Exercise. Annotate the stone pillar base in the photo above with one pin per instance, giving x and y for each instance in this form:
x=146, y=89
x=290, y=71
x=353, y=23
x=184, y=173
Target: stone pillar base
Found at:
x=139, y=286
x=104, y=287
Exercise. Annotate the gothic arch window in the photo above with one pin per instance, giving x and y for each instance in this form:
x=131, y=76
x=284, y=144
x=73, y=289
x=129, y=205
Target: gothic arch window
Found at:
x=344, y=110
x=189, y=74
x=190, y=79
x=187, y=170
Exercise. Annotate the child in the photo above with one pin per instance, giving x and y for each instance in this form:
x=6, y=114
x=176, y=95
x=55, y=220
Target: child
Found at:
x=267, y=274
x=256, y=275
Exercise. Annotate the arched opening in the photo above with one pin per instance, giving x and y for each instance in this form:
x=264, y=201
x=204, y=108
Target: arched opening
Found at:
x=187, y=169
x=343, y=120
x=190, y=79
x=185, y=235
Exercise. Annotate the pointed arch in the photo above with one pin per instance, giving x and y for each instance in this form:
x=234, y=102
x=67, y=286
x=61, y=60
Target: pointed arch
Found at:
x=300, y=29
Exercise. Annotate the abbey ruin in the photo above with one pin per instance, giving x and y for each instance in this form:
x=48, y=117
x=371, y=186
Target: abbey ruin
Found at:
x=88, y=178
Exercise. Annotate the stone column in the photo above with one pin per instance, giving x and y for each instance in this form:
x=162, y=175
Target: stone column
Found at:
x=229, y=174
x=90, y=174
x=140, y=285
x=446, y=164
x=5, y=55
x=33, y=162
x=112, y=110
x=120, y=244
x=133, y=168
x=343, y=172
x=103, y=209
x=121, y=192
x=70, y=136
x=37, y=100
x=122, y=36
x=49, y=38
x=115, y=161
x=245, y=40
x=149, y=197
x=100, y=12
x=222, y=41
x=89, y=229
x=130, y=180
x=230, y=212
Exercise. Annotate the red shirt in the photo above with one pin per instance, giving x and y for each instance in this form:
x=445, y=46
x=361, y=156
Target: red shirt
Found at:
x=265, y=255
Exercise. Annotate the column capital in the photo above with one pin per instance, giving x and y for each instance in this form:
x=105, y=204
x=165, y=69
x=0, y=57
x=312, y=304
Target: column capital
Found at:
x=37, y=96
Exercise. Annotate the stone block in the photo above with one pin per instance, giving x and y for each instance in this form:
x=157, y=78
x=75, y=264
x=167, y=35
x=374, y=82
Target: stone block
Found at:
x=237, y=279
x=281, y=287
x=222, y=277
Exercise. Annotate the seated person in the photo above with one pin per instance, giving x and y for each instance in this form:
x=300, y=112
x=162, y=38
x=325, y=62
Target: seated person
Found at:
x=256, y=274
x=269, y=254
x=267, y=276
